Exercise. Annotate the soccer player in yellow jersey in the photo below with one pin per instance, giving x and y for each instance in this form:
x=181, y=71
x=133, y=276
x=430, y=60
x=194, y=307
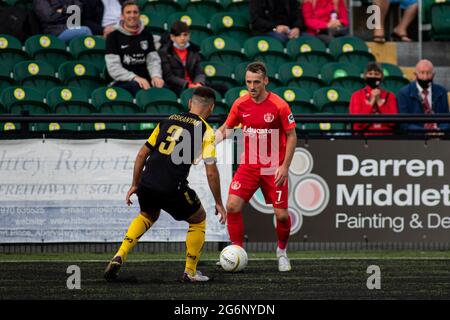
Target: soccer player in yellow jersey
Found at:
x=162, y=184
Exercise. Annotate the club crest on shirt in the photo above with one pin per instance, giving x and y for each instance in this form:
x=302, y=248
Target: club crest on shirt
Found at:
x=268, y=117
x=144, y=45
x=235, y=185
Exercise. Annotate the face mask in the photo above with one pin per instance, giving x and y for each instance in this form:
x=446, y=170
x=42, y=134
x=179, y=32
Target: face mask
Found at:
x=373, y=82
x=424, y=83
x=181, y=48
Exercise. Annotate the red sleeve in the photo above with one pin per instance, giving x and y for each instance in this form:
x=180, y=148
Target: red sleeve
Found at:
x=310, y=21
x=343, y=14
x=233, y=117
x=286, y=117
x=391, y=104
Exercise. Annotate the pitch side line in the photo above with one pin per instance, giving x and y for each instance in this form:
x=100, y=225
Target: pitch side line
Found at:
x=253, y=259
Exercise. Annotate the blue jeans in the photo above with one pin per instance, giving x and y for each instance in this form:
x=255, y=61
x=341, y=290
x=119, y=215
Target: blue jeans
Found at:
x=283, y=37
x=69, y=34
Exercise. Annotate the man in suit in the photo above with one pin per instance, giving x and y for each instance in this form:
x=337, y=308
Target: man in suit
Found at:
x=423, y=97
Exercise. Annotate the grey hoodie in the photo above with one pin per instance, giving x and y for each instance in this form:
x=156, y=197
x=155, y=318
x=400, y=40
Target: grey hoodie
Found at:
x=117, y=71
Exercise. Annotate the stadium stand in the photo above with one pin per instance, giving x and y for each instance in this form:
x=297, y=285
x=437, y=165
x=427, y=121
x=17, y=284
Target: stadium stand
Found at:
x=302, y=75
x=11, y=51
x=36, y=74
x=222, y=49
x=198, y=25
x=81, y=74
x=47, y=48
x=266, y=49
x=90, y=49
x=230, y=24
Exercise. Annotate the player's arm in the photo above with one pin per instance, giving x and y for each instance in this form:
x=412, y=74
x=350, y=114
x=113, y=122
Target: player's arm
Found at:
x=138, y=166
x=291, y=143
x=225, y=130
x=212, y=173
x=139, y=163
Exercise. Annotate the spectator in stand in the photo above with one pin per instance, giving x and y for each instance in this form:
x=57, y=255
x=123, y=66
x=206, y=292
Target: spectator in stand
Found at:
x=400, y=31
x=424, y=97
x=373, y=100
x=281, y=19
x=325, y=19
x=101, y=16
x=53, y=16
x=180, y=60
x=131, y=58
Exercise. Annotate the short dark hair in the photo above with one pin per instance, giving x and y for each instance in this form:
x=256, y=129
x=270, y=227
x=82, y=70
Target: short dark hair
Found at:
x=178, y=27
x=129, y=3
x=204, y=96
x=257, y=67
x=373, y=66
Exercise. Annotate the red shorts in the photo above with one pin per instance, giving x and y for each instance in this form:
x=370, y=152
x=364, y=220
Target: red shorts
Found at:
x=248, y=179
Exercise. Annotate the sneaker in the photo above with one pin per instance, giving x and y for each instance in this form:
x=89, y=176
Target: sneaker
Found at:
x=198, y=277
x=284, y=264
x=112, y=270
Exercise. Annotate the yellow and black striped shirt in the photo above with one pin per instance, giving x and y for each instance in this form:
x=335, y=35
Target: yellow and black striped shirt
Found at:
x=175, y=143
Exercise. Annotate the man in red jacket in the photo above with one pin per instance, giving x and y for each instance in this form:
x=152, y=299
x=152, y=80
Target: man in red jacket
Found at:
x=373, y=100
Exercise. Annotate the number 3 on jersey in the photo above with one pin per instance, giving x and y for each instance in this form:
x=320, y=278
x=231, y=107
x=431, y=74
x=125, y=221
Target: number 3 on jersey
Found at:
x=173, y=135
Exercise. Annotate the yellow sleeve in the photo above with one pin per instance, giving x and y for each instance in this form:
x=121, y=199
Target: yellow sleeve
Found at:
x=154, y=136
x=209, y=145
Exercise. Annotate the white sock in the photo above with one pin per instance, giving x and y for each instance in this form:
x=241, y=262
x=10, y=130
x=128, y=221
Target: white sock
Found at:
x=281, y=252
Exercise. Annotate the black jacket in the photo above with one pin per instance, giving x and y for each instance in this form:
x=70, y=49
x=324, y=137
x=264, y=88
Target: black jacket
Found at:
x=51, y=21
x=174, y=71
x=92, y=15
x=267, y=14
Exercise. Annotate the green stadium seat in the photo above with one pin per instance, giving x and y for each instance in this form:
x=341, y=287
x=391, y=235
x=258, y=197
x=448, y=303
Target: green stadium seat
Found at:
x=70, y=100
x=239, y=75
x=219, y=73
x=47, y=48
x=198, y=25
x=440, y=20
x=342, y=74
x=391, y=70
x=267, y=49
x=157, y=101
x=36, y=74
x=113, y=100
x=187, y=94
x=352, y=50
x=164, y=8
x=234, y=93
x=153, y=21
x=17, y=100
x=394, y=84
x=310, y=50
x=239, y=6
x=81, y=74
x=27, y=4
x=231, y=25
x=5, y=77
x=204, y=8
x=11, y=51
x=394, y=79
x=299, y=99
x=222, y=49
x=90, y=49
x=332, y=100
x=303, y=75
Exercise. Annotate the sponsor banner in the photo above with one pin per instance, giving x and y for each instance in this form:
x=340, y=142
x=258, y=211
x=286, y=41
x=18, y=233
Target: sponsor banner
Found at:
x=355, y=191
x=74, y=191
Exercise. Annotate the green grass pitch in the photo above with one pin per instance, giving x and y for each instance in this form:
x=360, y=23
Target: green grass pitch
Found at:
x=314, y=275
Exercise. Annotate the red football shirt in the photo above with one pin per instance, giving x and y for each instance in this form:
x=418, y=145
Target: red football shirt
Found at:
x=264, y=127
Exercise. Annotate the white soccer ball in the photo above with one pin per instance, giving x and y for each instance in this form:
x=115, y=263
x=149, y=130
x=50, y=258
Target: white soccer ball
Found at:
x=233, y=258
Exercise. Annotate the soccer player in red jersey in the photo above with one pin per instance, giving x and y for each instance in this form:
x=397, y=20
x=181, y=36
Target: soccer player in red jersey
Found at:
x=268, y=128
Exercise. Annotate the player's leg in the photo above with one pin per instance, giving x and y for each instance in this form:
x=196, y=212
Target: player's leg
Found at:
x=245, y=183
x=195, y=239
x=136, y=230
x=150, y=210
x=283, y=229
x=184, y=205
x=278, y=196
x=235, y=222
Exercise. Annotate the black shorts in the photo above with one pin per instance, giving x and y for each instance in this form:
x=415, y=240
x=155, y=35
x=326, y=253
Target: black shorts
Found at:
x=180, y=204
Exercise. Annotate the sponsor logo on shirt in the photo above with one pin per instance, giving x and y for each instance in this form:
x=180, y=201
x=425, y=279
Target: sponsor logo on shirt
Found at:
x=235, y=185
x=291, y=118
x=144, y=45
